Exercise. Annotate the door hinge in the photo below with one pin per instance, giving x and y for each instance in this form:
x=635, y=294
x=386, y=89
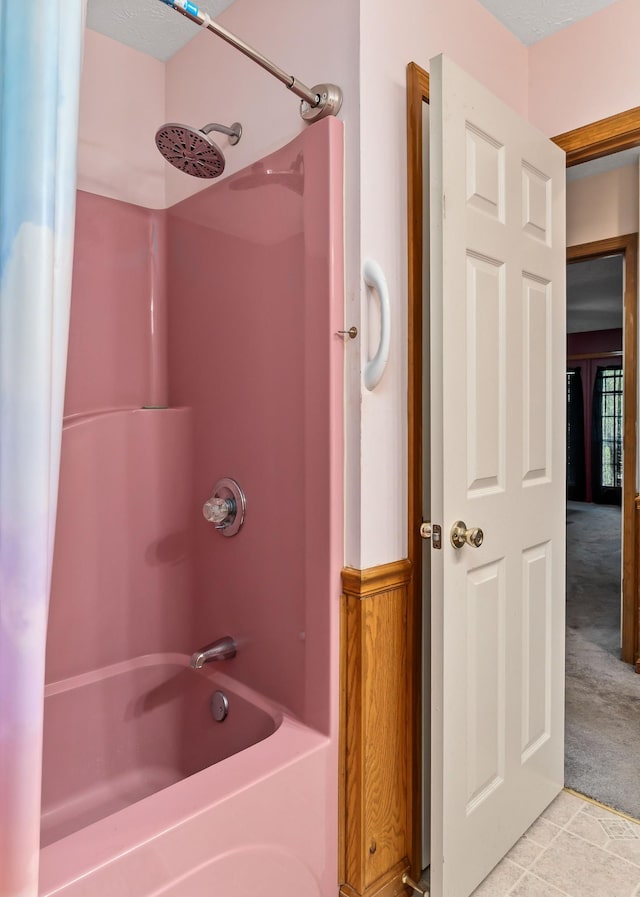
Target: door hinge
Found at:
x=433, y=532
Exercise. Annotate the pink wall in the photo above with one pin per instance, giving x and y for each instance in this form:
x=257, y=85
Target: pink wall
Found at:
x=252, y=352
x=602, y=206
x=122, y=102
x=377, y=421
x=587, y=71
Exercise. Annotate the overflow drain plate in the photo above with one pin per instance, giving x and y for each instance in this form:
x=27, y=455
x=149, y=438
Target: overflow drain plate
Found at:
x=219, y=706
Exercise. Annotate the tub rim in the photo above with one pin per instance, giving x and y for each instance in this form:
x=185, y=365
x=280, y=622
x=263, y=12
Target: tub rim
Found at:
x=212, y=672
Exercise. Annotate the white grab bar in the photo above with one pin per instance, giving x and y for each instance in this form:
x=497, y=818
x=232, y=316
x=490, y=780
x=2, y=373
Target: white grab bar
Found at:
x=374, y=369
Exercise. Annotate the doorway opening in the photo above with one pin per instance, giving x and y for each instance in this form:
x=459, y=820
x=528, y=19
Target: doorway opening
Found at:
x=602, y=371
x=601, y=685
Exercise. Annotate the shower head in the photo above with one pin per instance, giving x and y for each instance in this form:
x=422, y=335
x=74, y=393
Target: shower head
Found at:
x=192, y=150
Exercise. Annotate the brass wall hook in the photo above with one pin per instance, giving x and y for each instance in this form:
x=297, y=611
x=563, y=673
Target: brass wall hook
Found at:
x=352, y=332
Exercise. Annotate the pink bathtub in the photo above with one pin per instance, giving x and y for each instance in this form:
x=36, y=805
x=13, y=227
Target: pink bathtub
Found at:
x=117, y=735
x=144, y=793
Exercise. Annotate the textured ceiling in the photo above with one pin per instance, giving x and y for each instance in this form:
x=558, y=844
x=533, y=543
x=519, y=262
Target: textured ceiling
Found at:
x=149, y=26
x=531, y=20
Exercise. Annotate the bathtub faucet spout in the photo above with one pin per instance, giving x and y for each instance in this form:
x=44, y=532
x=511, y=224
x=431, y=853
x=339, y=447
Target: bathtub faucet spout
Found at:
x=222, y=649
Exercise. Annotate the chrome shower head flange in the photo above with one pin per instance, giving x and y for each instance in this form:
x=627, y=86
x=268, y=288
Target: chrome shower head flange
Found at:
x=329, y=103
x=234, y=138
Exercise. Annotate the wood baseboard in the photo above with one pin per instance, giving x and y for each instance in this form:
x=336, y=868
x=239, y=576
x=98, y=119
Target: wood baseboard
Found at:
x=375, y=742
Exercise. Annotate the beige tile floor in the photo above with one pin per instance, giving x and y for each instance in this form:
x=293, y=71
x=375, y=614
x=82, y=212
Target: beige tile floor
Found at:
x=575, y=849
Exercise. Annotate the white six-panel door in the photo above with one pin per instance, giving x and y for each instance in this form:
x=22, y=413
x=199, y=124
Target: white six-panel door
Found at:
x=498, y=437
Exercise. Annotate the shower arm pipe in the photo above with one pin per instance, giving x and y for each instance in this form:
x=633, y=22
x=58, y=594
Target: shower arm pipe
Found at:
x=317, y=102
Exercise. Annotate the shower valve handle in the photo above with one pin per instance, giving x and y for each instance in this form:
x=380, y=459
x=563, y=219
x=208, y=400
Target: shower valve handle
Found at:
x=217, y=510
x=226, y=507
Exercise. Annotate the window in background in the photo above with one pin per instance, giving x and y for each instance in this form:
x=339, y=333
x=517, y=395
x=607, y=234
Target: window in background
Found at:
x=607, y=436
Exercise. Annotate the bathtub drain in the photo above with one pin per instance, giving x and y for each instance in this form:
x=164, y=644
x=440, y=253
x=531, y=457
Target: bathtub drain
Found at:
x=219, y=706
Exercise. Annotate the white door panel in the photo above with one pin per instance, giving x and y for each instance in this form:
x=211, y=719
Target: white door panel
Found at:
x=498, y=430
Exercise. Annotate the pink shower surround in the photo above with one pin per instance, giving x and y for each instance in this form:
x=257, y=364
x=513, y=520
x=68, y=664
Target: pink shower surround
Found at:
x=225, y=308
x=116, y=358
x=122, y=580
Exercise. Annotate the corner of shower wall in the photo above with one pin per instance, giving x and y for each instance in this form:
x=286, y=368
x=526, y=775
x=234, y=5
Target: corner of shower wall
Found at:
x=121, y=582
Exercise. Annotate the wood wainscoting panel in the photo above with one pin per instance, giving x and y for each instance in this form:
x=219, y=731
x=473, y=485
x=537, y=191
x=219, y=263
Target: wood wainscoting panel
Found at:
x=375, y=735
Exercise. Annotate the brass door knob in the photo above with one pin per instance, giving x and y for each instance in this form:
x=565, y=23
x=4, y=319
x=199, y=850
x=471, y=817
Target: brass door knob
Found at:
x=460, y=535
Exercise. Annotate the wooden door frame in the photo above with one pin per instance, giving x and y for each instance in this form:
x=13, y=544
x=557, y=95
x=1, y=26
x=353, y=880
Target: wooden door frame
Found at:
x=627, y=246
x=583, y=144
x=417, y=94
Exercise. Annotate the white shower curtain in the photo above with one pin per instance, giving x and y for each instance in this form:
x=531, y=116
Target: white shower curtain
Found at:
x=40, y=61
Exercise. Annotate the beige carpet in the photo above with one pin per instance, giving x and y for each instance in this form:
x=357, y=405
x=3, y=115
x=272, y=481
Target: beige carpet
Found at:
x=602, y=694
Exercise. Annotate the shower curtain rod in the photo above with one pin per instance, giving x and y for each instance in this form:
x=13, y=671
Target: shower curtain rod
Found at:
x=317, y=102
